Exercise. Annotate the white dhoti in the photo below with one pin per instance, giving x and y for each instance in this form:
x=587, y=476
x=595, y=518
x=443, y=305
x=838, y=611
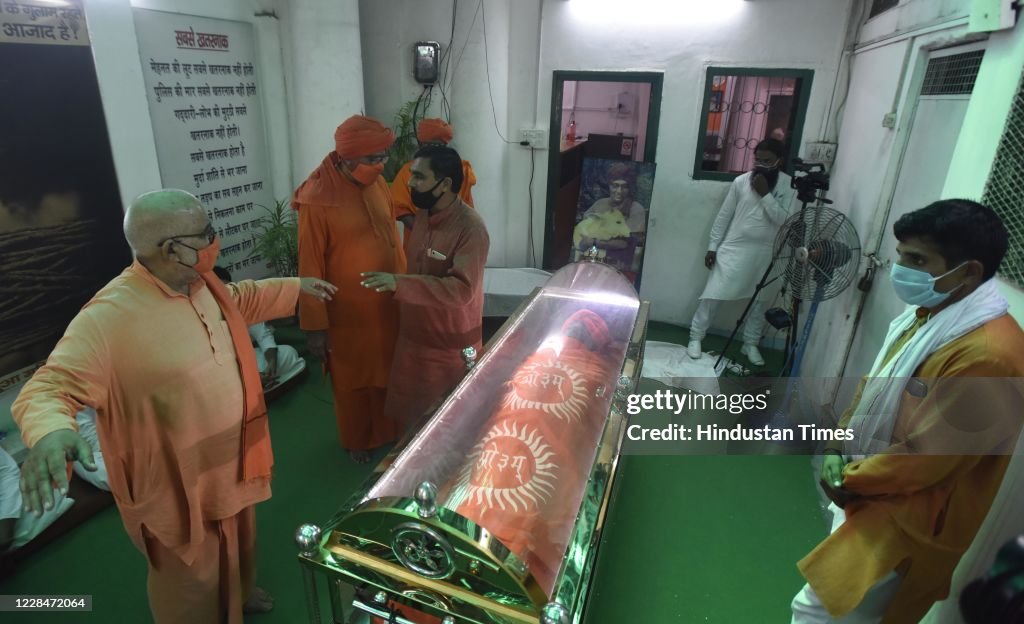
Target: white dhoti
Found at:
x=289, y=363
x=807, y=607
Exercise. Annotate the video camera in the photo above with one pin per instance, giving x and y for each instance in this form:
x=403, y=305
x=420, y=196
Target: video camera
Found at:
x=814, y=179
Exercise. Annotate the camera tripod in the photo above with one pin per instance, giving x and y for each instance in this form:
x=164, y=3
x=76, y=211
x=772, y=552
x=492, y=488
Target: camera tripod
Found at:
x=806, y=196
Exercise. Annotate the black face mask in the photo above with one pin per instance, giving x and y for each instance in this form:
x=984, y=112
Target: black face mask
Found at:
x=771, y=175
x=425, y=199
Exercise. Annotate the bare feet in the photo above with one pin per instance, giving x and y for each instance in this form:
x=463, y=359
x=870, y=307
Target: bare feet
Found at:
x=360, y=457
x=260, y=601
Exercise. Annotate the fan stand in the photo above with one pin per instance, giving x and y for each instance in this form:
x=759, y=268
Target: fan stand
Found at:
x=780, y=417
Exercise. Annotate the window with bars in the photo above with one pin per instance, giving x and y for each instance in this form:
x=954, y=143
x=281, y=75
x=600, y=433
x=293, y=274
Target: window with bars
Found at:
x=743, y=106
x=1005, y=188
x=952, y=75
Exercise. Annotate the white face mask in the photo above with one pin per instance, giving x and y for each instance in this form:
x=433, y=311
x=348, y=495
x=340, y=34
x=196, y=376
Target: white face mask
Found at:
x=917, y=288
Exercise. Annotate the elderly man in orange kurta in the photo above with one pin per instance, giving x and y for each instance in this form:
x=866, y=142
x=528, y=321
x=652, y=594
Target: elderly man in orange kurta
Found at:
x=442, y=297
x=162, y=353
x=430, y=131
x=347, y=227
x=935, y=423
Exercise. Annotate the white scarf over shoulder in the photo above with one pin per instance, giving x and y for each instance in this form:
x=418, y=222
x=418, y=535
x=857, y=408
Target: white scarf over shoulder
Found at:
x=875, y=415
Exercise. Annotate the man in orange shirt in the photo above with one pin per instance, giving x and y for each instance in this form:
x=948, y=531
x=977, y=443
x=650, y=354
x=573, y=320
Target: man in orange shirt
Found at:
x=935, y=423
x=347, y=227
x=162, y=353
x=430, y=131
x=442, y=298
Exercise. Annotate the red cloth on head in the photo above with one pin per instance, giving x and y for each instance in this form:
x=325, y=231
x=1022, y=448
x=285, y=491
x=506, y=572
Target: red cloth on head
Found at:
x=433, y=129
x=594, y=324
x=360, y=136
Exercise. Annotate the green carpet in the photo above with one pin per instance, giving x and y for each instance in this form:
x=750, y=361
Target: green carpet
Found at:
x=688, y=538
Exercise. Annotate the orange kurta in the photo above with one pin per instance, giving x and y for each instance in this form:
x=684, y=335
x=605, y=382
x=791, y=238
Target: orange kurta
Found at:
x=160, y=370
x=441, y=309
x=919, y=512
x=403, y=200
x=344, y=230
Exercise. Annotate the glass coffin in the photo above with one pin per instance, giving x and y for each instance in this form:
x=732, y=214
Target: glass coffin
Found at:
x=492, y=510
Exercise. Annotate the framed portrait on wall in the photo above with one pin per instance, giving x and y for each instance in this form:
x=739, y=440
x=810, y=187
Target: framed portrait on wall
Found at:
x=612, y=213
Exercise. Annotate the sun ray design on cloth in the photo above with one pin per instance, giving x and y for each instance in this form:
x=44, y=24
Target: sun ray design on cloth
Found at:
x=552, y=387
x=511, y=469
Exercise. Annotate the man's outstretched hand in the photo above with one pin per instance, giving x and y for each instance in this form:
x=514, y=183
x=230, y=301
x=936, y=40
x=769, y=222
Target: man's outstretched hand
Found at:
x=46, y=468
x=324, y=291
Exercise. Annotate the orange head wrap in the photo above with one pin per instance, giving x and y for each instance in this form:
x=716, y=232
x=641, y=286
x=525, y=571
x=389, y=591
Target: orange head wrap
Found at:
x=434, y=129
x=593, y=327
x=360, y=136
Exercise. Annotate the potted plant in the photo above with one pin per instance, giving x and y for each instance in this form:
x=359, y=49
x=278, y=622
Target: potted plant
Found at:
x=277, y=240
x=277, y=243
x=405, y=144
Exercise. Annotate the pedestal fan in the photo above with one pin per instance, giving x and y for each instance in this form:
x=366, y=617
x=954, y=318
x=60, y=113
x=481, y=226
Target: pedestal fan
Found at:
x=817, y=255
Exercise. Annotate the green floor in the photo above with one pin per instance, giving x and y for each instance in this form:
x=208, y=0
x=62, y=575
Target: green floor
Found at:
x=688, y=538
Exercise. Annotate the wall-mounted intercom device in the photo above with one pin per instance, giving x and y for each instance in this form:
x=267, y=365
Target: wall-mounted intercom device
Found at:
x=426, y=56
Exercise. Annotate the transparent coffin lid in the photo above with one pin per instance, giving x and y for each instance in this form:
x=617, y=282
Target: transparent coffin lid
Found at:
x=531, y=493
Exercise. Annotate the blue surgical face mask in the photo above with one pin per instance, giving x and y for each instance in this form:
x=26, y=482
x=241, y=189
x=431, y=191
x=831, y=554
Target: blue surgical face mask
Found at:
x=917, y=288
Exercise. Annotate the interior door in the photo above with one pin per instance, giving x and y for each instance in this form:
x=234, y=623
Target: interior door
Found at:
x=933, y=136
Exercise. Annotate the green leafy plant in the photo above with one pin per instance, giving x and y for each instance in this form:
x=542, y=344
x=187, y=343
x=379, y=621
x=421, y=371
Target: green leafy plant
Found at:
x=277, y=239
x=405, y=144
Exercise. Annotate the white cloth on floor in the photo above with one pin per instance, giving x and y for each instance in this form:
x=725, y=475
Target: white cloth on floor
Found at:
x=669, y=364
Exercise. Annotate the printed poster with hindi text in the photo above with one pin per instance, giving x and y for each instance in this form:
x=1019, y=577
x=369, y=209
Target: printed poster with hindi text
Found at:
x=205, y=103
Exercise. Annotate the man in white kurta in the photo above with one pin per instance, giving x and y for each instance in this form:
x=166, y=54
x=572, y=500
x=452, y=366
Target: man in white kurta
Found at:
x=740, y=246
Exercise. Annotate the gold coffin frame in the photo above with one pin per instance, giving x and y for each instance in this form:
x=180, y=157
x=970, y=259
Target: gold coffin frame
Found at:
x=343, y=555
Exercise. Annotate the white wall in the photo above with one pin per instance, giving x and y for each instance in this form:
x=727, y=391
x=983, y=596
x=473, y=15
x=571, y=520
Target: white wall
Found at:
x=323, y=73
x=683, y=44
x=887, y=67
x=569, y=37
x=310, y=71
x=389, y=28
x=998, y=80
x=119, y=72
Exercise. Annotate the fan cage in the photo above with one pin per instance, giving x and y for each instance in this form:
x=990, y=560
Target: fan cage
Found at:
x=816, y=253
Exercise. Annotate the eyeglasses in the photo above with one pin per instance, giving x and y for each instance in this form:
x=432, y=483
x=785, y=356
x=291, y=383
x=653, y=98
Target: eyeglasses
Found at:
x=771, y=162
x=209, y=234
x=375, y=159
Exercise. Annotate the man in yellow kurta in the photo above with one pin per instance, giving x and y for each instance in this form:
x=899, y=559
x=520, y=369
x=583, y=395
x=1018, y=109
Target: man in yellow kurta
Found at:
x=162, y=353
x=430, y=131
x=935, y=422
